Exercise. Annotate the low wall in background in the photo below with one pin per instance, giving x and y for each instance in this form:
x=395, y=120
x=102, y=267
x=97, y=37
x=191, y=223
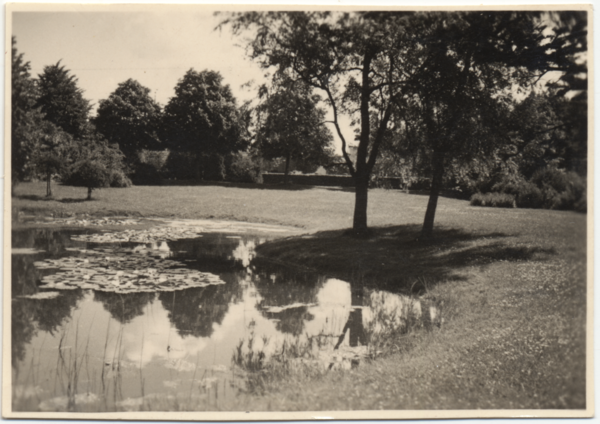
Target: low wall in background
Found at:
x=323, y=180
x=313, y=179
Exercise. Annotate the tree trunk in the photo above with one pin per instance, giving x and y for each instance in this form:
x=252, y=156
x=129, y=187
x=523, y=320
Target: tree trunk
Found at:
x=359, y=225
x=361, y=177
x=49, y=184
x=89, y=193
x=436, y=186
x=287, y=169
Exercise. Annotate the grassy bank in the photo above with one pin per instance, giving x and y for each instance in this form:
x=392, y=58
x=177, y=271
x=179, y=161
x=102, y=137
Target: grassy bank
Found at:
x=512, y=281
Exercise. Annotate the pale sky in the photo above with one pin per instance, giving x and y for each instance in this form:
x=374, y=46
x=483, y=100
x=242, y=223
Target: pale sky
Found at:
x=104, y=49
x=156, y=48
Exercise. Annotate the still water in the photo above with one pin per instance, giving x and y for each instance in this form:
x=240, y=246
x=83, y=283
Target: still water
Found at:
x=84, y=346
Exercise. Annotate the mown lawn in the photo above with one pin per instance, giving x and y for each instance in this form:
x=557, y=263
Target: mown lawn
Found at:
x=513, y=282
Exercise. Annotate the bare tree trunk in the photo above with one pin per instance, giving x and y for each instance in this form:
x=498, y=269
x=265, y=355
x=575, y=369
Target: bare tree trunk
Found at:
x=287, y=169
x=89, y=193
x=359, y=225
x=49, y=184
x=436, y=186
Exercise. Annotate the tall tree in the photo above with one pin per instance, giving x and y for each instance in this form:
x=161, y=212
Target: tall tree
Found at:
x=292, y=126
x=472, y=59
x=24, y=117
x=203, y=118
x=475, y=58
x=363, y=62
x=130, y=118
x=62, y=101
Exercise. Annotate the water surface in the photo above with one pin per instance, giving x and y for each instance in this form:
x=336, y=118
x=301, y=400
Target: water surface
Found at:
x=98, y=350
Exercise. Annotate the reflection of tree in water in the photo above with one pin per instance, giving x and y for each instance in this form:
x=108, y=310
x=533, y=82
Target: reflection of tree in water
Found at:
x=285, y=287
x=216, y=253
x=30, y=315
x=52, y=241
x=25, y=275
x=124, y=307
x=194, y=311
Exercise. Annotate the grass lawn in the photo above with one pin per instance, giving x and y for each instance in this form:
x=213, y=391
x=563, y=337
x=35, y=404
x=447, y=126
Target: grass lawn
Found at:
x=513, y=282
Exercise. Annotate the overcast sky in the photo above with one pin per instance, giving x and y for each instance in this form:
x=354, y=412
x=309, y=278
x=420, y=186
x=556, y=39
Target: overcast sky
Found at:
x=153, y=45
x=156, y=48
x=105, y=49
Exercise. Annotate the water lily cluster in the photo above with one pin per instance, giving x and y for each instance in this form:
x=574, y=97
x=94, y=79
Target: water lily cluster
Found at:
x=122, y=270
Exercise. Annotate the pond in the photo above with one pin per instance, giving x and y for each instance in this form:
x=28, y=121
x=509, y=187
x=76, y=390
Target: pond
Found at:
x=127, y=319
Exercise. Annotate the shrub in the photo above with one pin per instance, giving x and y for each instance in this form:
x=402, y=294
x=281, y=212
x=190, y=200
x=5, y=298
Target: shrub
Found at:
x=527, y=194
x=119, y=179
x=182, y=166
x=212, y=167
x=150, y=167
x=91, y=174
x=496, y=200
x=561, y=190
x=243, y=168
x=549, y=188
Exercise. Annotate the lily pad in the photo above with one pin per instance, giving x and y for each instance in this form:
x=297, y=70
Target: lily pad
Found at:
x=125, y=271
x=42, y=295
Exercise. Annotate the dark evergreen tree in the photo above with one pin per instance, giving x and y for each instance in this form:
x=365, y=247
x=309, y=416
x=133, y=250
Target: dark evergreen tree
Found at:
x=25, y=118
x=62, y=101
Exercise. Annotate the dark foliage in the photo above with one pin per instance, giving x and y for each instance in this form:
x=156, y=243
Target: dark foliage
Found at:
x=130, y=118
x=90, y=174
x=62, y=101
x=203, y=117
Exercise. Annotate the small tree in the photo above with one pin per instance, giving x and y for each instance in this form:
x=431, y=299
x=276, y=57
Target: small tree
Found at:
x=91, y=174
x=293, y=127
x=52, y=154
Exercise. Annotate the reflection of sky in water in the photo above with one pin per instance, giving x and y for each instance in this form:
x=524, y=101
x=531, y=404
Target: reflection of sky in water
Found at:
x=151, y=342
x=173, y=342
x=180, y=342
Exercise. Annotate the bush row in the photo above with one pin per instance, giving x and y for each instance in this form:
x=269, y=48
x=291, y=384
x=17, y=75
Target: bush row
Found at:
x=496, y=200
x=154, y=167
x=548, y=188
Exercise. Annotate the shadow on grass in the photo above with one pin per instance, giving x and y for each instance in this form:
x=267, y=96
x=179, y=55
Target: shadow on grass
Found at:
x=76, y=200
x=35, y=197
x=391, y=259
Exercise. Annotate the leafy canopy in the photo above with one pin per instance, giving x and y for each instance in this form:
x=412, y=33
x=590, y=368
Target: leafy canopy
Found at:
x=130, y=118
x=293, y=126
x=203, y=116
x=62, y=101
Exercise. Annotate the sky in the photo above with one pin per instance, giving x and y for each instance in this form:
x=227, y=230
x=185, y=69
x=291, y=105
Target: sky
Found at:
x=156, y=48
x=105, y=49
x=154, y=45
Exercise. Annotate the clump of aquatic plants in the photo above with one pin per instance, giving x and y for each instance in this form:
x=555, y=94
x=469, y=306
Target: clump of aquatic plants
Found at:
x=123, y=270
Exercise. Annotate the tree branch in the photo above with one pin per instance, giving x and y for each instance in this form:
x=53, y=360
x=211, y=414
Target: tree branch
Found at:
x=339, y=132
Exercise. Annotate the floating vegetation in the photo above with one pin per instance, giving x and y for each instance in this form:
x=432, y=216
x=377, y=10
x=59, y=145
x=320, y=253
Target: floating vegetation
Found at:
x=89, y=222
x=42, y=295
x=122, y=270
x=151, y=235
x=25, y=251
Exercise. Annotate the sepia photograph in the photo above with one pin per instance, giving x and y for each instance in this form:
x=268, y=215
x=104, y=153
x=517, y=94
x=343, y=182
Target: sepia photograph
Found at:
x=256, y=212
